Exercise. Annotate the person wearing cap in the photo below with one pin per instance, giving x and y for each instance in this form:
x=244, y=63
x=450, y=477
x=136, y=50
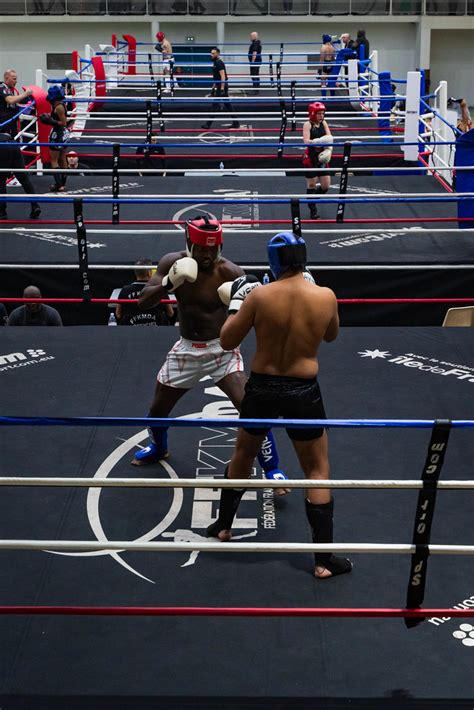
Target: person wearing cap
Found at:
x=10, y=97
x=291, y=317
x=327, y=56
x=200, y=278
x=59, y=135
x=73, y=163
x=164, y=47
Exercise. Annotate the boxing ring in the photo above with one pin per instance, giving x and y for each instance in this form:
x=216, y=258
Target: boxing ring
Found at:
x=300, y=660
x=86, y=536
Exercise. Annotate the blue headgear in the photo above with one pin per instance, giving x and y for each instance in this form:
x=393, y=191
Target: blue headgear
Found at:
x=55, y=93
x=326, y=39
x=286, y=251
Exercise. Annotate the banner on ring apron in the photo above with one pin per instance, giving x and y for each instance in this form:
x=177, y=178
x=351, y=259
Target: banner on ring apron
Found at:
x=465, y=178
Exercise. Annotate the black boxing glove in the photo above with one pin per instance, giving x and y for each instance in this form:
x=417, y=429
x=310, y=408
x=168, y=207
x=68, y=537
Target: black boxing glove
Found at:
x=158, y=47
x=240, y=289
x=46, y=118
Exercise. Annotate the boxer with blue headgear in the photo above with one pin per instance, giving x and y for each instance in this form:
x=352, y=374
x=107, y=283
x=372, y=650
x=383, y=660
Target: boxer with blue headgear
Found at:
x=291, y=318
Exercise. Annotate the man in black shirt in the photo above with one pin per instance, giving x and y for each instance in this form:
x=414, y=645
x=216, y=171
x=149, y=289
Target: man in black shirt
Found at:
x=9, y=98
x=147, y=162
x=73, y=163
x=11, y=157
x=220, y=88
x=255, y=59
x=130, y=314
x=34, y=313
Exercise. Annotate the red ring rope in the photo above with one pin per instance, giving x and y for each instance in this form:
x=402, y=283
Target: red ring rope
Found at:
x=232, y=611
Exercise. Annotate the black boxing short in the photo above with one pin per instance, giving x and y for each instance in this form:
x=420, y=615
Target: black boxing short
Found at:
x=274, y=396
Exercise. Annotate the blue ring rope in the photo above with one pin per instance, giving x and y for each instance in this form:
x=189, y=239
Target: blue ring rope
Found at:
x=250, y=423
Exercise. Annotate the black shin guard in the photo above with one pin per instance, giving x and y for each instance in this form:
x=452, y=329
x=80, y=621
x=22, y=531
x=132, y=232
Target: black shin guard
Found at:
x=63, y=179
x=313, y=210
x=319, y=190
x=229, y=502
x=320, y=518
x=57, y=180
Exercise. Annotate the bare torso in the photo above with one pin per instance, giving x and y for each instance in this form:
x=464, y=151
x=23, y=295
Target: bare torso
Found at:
x=166, y=49
x=292, y=317
x=201, y=313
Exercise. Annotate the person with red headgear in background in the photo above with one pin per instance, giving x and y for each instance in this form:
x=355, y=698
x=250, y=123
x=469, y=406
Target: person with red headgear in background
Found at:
x=204, y=283
x=164, y=47
x=317, y=155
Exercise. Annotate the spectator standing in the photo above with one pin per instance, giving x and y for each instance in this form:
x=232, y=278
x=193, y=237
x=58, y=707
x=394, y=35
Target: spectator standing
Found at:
x=346, y=41
x=255, y=60
x=34, y=313
x=220, y=88
x=360, y=42
x=130, y=314
x=9, y=98
x=464, y=122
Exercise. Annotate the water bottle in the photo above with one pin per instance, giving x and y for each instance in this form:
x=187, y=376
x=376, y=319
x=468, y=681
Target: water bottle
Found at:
x=112, y=319
x=221, y=165
x=266, y=279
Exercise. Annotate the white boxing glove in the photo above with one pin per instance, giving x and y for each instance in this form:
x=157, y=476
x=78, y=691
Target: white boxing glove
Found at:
x=325, y=156
x=307, y=277
x=240, y=289
x=185, y=269
x=224, y=292
x=324, y=140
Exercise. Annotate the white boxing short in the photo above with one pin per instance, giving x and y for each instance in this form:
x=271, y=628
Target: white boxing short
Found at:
x=188, y=361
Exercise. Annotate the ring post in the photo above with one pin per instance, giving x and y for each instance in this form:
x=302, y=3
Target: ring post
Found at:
x=424, y=516
x=412, y=116
x=346, y=158
x=82, y=247
x=115, y=183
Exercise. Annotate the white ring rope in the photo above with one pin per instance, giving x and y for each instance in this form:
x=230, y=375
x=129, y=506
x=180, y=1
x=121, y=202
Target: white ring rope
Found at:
x=292, y=547
x=224, y=483
x=260, y=267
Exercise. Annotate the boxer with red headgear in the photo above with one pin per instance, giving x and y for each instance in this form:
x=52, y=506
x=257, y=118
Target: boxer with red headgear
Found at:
x=166, y=50
x=316, y=131
x=204, y=284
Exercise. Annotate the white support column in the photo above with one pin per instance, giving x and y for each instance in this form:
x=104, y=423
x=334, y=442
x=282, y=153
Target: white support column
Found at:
x=353, y=79
x=110, y=65
x=83, y=90
x=88, y=52
x=154, y=29
x=412, y=115
x=39, y=78
x=423, y=44
x=220, y=34
x=445, y=152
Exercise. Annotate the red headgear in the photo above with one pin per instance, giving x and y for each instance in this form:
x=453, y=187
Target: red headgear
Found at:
x=72, y=154
x=314, y=108
x=160, y=36
x=204, y=232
